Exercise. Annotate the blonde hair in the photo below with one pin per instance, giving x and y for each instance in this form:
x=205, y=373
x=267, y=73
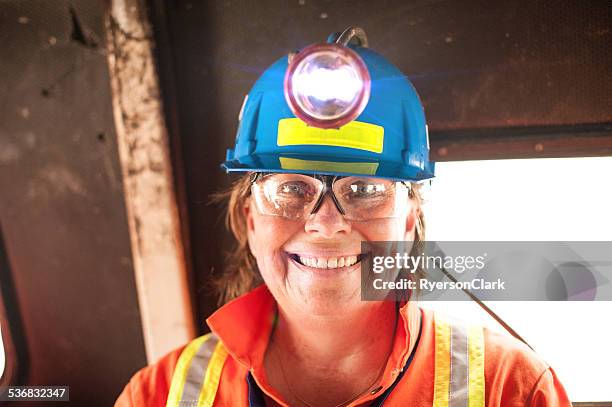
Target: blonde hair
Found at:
x=241, y=273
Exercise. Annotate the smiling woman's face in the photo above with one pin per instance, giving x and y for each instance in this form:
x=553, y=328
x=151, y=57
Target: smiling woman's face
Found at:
x=312, y=264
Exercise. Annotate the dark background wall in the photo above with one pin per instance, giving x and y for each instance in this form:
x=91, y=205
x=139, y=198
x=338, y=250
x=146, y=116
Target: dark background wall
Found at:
x=61, y=203
x=498, y=79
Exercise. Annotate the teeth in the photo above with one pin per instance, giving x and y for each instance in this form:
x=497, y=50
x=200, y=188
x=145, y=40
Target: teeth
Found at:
x=350, y=260
x=328, y=263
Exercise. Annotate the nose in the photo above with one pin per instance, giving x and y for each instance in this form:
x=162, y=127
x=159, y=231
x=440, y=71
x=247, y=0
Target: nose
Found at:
x=327, y=221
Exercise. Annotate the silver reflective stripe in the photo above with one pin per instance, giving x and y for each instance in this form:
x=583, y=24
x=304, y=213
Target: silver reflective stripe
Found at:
x=459, y=362
x=197, y=372
x=459, y=366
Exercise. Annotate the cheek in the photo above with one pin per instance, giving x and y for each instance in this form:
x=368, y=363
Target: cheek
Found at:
x=382, y=229
x=267, y=239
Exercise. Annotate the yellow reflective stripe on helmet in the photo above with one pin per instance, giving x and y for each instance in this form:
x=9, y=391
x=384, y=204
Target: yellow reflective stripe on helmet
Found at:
x=182, y=368
x=213, y=374
x=442, y=362
x=359, y=135
x=476, y=385
x=328, y=166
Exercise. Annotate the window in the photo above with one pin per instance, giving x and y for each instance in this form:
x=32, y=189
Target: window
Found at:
x=568, y=199
x=8, y=354
x=9, y=357
x=2, y=355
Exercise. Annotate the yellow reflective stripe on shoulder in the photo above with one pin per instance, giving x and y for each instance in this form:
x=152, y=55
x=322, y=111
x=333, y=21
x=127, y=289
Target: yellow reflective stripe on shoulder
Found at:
x=476, y=347
x=180, y=371
x=195, y=380
x=297, y=164
x=359, y=135
x=442, y=362
x=213, y=374
x=459, y=365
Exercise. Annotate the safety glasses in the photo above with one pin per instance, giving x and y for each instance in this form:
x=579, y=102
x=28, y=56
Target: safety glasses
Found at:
x=297, y=196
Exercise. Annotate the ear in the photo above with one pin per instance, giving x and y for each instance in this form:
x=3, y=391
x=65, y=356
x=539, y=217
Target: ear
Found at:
x=411, y=223
x=247, y=211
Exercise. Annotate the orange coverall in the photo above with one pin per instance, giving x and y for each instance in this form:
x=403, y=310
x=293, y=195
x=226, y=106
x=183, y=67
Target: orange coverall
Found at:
x=513, y=374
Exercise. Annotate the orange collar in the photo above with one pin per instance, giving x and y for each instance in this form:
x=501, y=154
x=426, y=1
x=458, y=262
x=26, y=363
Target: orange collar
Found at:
x=245, y=324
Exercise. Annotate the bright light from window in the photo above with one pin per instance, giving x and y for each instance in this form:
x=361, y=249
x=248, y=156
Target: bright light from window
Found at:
x=2, y=355
x=568, y=199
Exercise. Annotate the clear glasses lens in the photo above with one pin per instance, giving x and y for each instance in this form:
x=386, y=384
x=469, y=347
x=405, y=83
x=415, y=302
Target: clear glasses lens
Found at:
x=371, y=198
x=286, y=195
x=293, y=196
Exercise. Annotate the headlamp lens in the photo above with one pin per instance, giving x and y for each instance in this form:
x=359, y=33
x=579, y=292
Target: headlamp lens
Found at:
x=327, y=85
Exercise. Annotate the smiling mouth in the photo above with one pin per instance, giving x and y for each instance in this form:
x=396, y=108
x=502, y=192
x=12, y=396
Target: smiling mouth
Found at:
x=326, y=262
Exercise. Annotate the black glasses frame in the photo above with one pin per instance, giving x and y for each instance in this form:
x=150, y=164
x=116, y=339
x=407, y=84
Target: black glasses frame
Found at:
x=328, y=182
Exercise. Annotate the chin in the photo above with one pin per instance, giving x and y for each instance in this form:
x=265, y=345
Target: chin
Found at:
x=317, y=299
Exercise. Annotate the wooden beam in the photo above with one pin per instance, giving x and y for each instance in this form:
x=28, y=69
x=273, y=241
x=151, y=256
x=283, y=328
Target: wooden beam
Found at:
x=150, y=197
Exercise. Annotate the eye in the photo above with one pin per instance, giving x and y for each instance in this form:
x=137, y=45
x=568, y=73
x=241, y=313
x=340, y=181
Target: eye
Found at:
x=362, y=190
x=294, y=189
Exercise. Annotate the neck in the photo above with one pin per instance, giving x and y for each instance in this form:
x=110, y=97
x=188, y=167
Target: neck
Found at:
x=332, y=339
x=326, y=360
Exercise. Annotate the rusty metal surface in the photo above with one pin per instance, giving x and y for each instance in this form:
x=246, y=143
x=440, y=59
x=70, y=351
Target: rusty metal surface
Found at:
x=524, y=142
x=61, y=200
x=479, y=66
x=475, y=63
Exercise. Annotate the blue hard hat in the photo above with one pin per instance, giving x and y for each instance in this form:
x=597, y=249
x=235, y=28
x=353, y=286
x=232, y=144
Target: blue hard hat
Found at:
x=387, y=139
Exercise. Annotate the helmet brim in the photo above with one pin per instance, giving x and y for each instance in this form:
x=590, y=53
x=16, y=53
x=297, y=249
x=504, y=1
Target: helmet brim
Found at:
x=336, y=165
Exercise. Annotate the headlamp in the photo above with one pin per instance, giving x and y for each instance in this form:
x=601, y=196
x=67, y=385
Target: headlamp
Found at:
x=327, y=85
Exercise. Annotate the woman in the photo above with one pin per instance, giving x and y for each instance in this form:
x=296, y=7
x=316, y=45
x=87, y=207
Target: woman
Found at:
x=324, y=174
